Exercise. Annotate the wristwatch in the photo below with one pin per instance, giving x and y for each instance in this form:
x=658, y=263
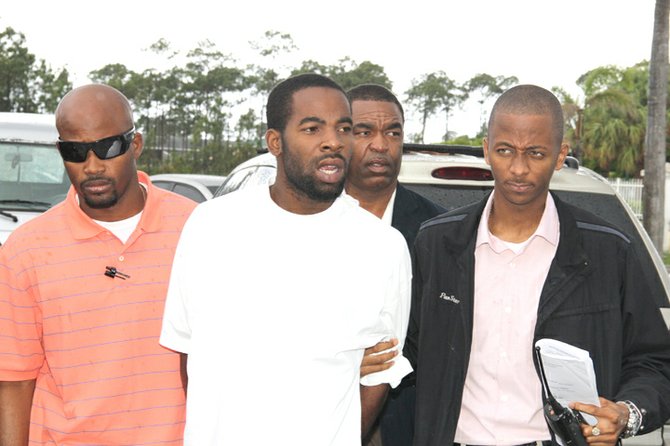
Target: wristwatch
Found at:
x=634, y=419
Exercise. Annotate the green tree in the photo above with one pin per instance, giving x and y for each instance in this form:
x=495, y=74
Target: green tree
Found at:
x=27, y=84
x=607, y=130
x=434, y=92
x=484, y=87
x=348, y=73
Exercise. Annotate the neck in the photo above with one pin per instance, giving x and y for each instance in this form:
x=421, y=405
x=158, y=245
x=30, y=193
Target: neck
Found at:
x=374, y=201
x=515, y=223
x=297, y=202
x=130, y=203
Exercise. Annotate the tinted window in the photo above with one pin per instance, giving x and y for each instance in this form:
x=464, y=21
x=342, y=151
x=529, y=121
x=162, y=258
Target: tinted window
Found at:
x=189, y=192
x=167, y=185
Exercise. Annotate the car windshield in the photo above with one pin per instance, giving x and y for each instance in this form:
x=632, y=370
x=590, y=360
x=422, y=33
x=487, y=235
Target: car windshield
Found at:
x=31, y=176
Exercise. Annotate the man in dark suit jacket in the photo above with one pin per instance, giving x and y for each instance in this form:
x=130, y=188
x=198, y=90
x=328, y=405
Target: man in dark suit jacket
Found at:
x=372, y=179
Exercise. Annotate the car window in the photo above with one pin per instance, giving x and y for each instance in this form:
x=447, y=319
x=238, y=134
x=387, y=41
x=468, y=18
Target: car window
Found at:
x=189, y=192
x=167, y=185
x=31, y=173
x=251, y=176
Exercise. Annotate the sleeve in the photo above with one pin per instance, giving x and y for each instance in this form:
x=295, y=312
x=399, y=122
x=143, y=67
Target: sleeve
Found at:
x=176, y=329
x=411, y=350
x=395, y=316
x=21, y=352
x=645, y=374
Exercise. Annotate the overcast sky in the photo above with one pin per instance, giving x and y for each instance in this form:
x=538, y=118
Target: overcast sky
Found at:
x=541, y=42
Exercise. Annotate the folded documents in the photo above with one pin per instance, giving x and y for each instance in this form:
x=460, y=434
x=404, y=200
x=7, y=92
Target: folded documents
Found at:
x=570, y=374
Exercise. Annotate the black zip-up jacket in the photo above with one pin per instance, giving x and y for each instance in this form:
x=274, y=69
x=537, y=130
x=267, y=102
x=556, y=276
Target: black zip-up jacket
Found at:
x=594, y=297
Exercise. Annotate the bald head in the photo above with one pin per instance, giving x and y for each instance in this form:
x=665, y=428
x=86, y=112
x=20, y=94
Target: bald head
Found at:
x=530, y=100
x=93, y=109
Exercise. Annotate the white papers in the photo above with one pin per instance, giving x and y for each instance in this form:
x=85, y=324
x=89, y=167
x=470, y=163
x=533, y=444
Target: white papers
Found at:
x=570, y=375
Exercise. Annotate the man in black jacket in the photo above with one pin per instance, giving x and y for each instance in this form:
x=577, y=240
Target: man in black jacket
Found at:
x=372, y=179
x=492, y=278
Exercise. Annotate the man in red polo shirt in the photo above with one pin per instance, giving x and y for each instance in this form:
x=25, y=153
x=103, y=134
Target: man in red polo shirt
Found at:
x=82, y=290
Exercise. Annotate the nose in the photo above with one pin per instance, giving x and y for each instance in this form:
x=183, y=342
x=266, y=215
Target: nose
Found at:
x=519, y=165
x=335, y=140
x=93, y=165
x=379, y=144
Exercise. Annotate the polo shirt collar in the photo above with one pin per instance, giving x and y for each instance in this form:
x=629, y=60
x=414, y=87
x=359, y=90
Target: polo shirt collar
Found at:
x=83, y=227
x=548, y=228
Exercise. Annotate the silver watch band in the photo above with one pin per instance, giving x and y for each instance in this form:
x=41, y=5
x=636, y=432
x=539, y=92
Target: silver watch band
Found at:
x=634, y=419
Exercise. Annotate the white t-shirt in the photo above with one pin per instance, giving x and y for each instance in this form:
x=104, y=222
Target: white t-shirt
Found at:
x=274, y=310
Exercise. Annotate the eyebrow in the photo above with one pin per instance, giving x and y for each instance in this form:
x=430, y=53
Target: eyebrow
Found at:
x=507, y=144
x=311, y=119
x=363, y=125
x=318, y=120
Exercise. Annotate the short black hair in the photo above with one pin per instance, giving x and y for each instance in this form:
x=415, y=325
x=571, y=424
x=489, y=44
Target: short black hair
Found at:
x=531, y=100
x=279, y=106
x=374, y=92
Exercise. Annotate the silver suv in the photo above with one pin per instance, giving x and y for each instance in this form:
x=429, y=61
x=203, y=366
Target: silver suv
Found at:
x=32, y=174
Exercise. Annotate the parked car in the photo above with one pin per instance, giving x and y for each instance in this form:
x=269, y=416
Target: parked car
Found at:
x=32, y=174
x=454, y=176
x=197, y=187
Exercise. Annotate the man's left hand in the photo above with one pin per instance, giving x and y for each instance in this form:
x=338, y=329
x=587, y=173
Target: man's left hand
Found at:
x=612, y=419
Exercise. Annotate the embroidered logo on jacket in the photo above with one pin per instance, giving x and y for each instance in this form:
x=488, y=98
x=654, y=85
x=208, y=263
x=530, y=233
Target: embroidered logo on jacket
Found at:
x=449, y=297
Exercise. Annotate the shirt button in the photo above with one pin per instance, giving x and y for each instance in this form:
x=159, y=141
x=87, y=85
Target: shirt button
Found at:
x=503, y=355
x=508, y=310
x=121, y=258
x=504, y=398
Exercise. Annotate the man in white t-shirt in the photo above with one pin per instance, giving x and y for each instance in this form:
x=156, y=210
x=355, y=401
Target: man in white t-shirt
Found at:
x=276, y=292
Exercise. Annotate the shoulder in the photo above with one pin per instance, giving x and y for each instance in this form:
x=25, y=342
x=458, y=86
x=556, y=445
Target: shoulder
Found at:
x=588, y=224
x=404, y=195
x=172, y=201
x=454, y=217
x=364, y=225
x=44, y=226
x=235, y=206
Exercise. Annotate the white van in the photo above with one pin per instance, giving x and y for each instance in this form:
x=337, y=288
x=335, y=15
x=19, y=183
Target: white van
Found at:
x=32, y=174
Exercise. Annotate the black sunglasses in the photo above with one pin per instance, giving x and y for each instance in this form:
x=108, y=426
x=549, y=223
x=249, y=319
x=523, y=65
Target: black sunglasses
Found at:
x=104, y=149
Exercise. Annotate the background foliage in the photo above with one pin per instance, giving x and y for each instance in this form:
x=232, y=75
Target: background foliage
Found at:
x=205, y=112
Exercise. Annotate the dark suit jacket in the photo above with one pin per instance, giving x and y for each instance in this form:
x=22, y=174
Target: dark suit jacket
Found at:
x=410, y=210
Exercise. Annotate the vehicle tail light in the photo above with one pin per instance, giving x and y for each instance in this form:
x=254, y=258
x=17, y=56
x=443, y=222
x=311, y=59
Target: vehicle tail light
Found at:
x=463, y=173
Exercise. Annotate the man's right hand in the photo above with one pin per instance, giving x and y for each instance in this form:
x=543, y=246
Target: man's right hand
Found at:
x=375, y=361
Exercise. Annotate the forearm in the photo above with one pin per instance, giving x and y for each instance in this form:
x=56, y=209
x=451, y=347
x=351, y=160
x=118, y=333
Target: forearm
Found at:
x=372, y=401
x=16, y=399
x=183, y=372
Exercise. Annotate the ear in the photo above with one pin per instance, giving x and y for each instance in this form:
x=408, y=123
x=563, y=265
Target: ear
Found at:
x=273, y=140
x=137, y=145
x=485, y=146
x=565, y=148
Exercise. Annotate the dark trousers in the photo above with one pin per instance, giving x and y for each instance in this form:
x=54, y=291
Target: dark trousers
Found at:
x=397, y=417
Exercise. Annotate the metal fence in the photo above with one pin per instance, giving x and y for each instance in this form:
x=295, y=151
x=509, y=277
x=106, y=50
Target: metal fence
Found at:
x=631, y=191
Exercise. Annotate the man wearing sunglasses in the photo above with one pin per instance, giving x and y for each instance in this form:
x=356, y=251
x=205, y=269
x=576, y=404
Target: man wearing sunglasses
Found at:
x=82, y=290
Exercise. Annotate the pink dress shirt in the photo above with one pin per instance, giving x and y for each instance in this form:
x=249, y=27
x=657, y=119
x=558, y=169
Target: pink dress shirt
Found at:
x=502, y=399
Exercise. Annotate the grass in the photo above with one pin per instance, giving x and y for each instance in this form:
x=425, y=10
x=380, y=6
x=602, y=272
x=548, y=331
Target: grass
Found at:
x=666, y=258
